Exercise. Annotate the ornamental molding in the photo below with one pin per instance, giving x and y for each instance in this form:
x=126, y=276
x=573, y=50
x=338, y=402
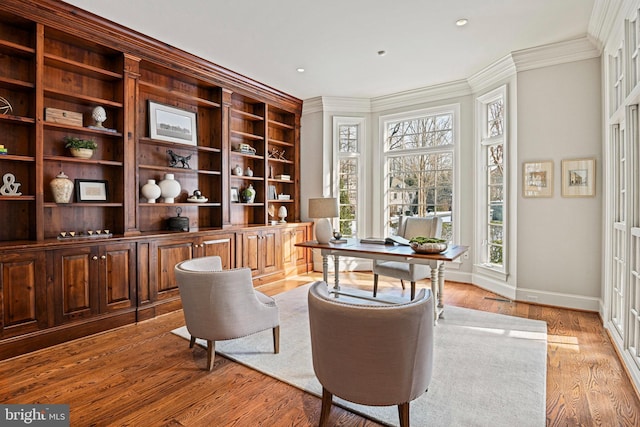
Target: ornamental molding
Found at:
x=336, y=104
x=555, y=54
x=493, y=75
x=421, y=95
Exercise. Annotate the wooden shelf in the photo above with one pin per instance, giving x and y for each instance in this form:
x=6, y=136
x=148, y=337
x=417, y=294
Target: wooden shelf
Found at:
x=246, y=115
x=281, y=124
x=86, y=161
x=16, y=49
x=201, y=102
x=17, y=119
x=83, y=129
x=21, y=198
x=80, y=68
x=16, y=158
x=9, y=83
x=83, y=99
x=246, y=135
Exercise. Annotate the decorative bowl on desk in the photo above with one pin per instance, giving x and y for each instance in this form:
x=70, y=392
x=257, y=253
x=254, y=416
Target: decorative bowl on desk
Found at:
x=427, y=245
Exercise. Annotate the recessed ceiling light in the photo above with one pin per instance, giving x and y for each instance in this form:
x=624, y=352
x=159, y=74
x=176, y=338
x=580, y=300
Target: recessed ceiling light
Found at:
x=462, y=22
x=300, y=70
x=382, y=52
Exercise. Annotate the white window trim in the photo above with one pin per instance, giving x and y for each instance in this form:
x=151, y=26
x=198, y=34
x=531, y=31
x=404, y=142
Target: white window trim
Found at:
x=481, y=237
x=454, y=109
x=361, y=123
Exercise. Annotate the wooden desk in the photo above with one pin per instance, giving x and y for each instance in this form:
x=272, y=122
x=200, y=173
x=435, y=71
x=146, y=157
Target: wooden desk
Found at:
x=400, y=253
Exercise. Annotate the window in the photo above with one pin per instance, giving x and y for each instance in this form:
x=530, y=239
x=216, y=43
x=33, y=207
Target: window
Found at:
x=349, y=137
x=491, y=223
x=418, y=154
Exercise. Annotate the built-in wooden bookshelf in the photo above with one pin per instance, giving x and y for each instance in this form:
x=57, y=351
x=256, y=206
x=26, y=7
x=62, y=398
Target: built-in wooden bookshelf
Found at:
x=70, y=269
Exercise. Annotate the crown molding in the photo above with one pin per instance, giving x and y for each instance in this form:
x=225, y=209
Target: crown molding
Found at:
x=604, y=17
x=555, y=54
x=421, y=95
x=336, y=104
x=492, y=75
x=312, y=105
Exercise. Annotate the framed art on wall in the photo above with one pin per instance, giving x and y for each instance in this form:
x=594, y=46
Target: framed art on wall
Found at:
x=537, y=179
x=579, y=178
x=172, y=124
x=91, y=190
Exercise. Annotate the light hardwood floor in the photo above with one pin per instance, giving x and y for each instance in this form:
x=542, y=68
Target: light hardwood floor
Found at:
x=142, y=375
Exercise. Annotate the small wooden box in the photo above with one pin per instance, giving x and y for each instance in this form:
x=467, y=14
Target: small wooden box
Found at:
x=64, y=117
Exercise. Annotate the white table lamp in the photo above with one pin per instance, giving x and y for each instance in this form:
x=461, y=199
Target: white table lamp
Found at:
x=322, y=209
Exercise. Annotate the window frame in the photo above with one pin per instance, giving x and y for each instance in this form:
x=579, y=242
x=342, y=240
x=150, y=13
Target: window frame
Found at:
x=454, y=110
x=483, y=142
x=360, y=123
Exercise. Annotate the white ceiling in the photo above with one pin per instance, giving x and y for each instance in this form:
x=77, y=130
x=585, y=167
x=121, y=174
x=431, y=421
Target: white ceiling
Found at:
x=336, y=41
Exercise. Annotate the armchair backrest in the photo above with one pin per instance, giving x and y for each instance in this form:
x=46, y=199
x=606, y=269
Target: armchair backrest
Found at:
x=218, y=305
x=372, y=355
x=415, y=226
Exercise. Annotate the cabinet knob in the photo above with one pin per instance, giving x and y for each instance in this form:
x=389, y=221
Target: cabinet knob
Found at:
x=103, y=257
x=95, y=258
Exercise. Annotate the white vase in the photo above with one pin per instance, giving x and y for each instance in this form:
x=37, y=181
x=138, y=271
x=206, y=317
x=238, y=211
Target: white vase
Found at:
x=169, y=188
x=151, y=191
x=62, y=188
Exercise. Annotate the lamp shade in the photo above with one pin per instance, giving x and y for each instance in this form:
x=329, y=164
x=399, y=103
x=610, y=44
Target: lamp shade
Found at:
x=323, y=207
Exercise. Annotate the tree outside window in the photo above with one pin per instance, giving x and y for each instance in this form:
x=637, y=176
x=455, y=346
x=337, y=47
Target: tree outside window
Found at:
x=419, y=169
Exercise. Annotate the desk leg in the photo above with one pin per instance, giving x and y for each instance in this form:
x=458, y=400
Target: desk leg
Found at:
x=434, y=292
x=325, y=267
x=440, y=289
x=336, y=271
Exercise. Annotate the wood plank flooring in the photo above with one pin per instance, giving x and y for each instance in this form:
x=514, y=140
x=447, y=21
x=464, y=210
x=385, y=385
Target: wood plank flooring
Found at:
x=142, y=375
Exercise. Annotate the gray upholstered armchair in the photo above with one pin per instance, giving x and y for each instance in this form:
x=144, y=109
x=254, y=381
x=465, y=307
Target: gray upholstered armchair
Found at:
x=222, y=304
x=372, y=355
x=410, y=226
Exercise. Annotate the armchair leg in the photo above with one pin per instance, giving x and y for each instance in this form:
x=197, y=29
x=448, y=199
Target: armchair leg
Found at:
x=211, y=353
x=402, y=283
x=403, y=414
x=413, y=290
x=326, y=407
x=276, y=339
x=375, y=285
x=192, y=341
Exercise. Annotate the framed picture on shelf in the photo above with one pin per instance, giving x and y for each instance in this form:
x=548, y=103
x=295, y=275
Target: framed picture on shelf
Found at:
x=579, y=178
x=235, y=195
x=172, y=124
x=537, y=179
x=91, y=190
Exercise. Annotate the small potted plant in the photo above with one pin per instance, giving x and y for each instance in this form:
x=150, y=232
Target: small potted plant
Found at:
x=81, y=148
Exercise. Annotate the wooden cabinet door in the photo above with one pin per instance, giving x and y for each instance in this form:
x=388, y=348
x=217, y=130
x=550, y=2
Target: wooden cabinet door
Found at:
x=23, y=293
x=117, y=277
x=75, y=293
x=293, y=256
x=271, y=251
x=164, y=257
x=252, y=252
x=222, y=245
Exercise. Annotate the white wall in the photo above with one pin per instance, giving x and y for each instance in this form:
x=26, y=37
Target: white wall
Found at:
x=559, y=253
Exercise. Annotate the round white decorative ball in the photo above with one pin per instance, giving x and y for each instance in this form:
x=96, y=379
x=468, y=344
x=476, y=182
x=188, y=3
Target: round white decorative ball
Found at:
x=99, y=115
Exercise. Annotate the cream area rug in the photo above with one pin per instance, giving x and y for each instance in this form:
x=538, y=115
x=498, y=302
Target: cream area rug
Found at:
x=489, y=369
